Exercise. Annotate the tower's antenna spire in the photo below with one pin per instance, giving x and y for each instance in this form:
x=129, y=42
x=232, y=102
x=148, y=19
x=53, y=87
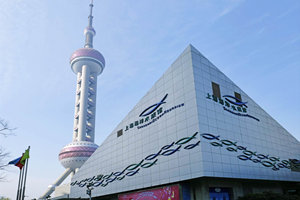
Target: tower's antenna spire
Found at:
x=89, y=31
x=91, y=14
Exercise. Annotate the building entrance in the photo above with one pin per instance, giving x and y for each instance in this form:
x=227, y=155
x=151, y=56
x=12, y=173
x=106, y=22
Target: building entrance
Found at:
x=220, y=193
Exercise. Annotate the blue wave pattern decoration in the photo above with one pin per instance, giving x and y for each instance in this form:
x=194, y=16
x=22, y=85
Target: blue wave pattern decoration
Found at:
x=275, y=163
x=154, y=107
x=247, y=155
x=147, y=162
x=237, y=101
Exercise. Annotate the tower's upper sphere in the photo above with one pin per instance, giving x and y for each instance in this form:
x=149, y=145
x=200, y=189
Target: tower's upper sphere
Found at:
x=87, y=56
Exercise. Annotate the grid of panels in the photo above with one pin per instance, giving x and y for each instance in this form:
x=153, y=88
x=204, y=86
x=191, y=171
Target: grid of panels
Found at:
x=188, y=81
x=135, y=144
x=266, y=136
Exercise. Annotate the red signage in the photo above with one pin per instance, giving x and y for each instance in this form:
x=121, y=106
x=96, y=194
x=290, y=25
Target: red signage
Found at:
x=164, y=193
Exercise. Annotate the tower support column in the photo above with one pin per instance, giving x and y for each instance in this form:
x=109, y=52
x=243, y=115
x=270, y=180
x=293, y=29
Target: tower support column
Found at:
x=51, y=188
x=92, y=94
x=83, y=103
x=77, y=104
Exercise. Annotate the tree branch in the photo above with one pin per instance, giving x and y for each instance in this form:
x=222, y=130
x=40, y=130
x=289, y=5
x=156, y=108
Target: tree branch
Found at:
x=3, y=155
x=5, y=130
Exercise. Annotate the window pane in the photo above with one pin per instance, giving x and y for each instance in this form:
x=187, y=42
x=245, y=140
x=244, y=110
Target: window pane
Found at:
x=216, y=90
x=238, y=95
x=119, y=133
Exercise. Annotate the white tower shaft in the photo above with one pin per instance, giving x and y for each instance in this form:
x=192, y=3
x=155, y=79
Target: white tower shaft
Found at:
x=85, y=106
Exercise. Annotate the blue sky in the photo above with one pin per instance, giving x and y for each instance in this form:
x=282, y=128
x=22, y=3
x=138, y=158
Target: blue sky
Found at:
x=255, y=43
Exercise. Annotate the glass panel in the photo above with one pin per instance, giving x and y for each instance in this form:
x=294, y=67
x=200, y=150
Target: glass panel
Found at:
x=238, y=96
x=216, y=89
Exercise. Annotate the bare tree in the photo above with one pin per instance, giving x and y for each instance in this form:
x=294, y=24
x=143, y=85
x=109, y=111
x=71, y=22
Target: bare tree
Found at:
x=5, y=131
x=3, y=155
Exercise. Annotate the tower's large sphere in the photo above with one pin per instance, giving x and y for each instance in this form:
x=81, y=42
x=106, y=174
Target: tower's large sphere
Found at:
x=87, y=56
x=76, y=153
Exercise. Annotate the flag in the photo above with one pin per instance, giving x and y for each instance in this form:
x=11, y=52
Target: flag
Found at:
x=20, y=162
x=17, y=162
x=24, y=157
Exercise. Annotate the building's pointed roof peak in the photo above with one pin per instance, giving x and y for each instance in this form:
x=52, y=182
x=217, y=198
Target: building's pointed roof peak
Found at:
x=191, y=48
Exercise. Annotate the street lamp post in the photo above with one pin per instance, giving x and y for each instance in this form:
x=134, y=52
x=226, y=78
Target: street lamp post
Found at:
x=89, y=190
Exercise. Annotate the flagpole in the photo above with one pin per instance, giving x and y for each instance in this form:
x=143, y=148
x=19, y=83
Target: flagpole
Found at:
x=23, y=190
x=21, y=162
x=19, y=184
x=26, y=166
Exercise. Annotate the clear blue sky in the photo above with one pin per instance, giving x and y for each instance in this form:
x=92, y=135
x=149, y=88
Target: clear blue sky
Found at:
x=255, y=43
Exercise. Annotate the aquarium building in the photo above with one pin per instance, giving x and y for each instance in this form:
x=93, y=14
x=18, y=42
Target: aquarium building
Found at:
x=194, y=135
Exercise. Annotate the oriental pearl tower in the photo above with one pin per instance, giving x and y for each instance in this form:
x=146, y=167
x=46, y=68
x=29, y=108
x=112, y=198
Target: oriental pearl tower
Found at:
x=87, y=63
